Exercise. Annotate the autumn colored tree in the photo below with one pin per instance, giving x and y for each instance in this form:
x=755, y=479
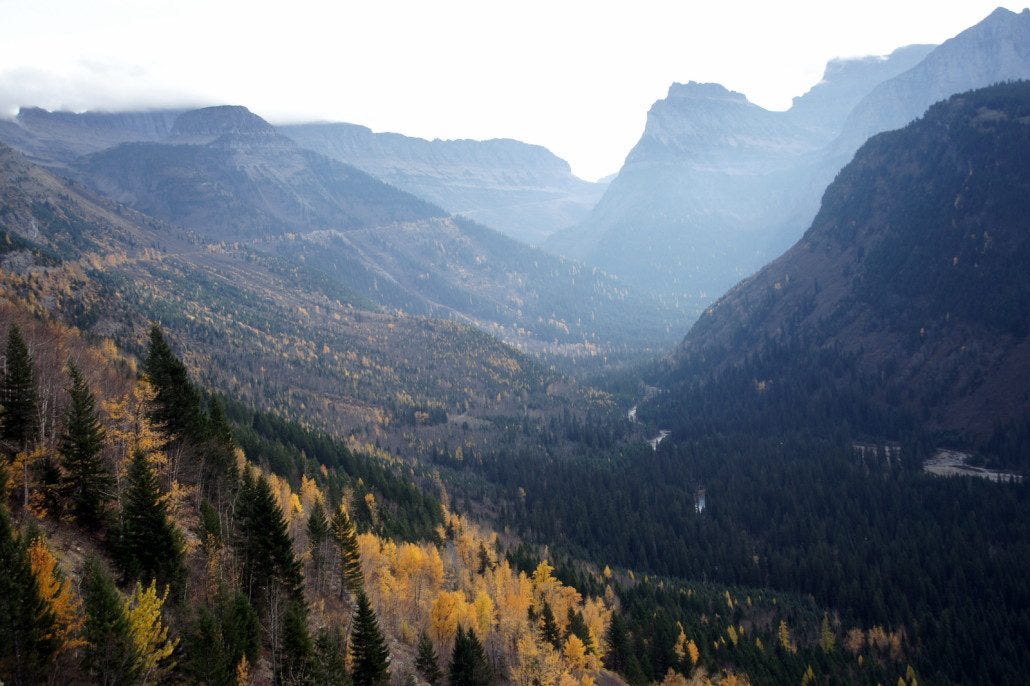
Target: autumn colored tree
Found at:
x=149, y=633
x=18, y=398
x=426, y=661
x=87, y=483
x=56, y=590
x=826, y=637
x=29, y=630
x=346, y=540
x=150, y=547
x=110, y=654
x=370, y=656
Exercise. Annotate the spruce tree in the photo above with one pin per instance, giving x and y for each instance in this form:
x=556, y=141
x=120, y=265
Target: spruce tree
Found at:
x=263, y=545
x=220, y=474
x=27, y=624
x=87, y=483
x=346, y=538
x=548, y=627
x=369, y=653
x=18, y=393
x=177, y=409
x=150, y=546
x=220, y=636
x=469, y=666
x=297, y=647
x=110, y=654
x=577, y=627
x=617, y=657
x=426, y=661
x=318, y=533
x=330, y=665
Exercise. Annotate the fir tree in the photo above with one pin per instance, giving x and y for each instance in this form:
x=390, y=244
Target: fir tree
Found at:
x=87, y=483
x=548, y=627
x=297, y=647
x=346, y=538
x=330, y=665
x=18, y=393
x=468, y=661
x=27, y=624
x=220, y=474
x=110, y=654
x=150, y=545
x=220, y=636
x=577, y=627
x=177, y=410
x=426, y=661
x=318, y=534
x=369, y=653
x=263, y=544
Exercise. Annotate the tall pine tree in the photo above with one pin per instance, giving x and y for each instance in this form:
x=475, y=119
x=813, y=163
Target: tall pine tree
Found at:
x=548, y=627
x=469, y=666
x=110, y=653
x=426, y=661
x=18, y=393
x=346, y=538
x=177, y=409
x=28, y=628
x=87, y=482
x=263, y=544
x=150, y=547
x=295, y=667
x=369, y=653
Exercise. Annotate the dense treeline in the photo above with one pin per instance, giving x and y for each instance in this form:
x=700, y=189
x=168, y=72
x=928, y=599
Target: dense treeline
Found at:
x=939, y=559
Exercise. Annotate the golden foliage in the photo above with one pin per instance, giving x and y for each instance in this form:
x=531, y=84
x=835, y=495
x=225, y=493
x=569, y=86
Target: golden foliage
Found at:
x=149, y=633
x=58, y=594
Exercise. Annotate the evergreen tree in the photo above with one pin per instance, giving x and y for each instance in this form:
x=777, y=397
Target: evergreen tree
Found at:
x=220, y=474
x=426, y=661
x=318, y=534
x=297, y=647
x=27, y=624
x=110, y=654
x=18, y=393
x=346, y=538
x=220, y=636
x=369, y=653
x=263, y=544
x=87, y=483
x=548, y=627
x=619, y=648
x=330, y=665
x=150, y=545
x=577, y=627
x=469, y=666
x=177, y=409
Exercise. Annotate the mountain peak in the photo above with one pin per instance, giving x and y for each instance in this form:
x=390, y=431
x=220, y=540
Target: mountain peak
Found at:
x=695, y=90
x=221, y=120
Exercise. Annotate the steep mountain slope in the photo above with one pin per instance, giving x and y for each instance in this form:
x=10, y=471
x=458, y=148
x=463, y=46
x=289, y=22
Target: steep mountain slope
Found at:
x=521, y=190
x=905, y=306
x=692, y=219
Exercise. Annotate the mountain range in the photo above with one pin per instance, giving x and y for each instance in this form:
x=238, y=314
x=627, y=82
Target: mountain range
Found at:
x=717, y=186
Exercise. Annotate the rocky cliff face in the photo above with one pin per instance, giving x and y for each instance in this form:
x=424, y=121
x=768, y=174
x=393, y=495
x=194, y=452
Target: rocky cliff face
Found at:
x=522, y=190
x=717, y=186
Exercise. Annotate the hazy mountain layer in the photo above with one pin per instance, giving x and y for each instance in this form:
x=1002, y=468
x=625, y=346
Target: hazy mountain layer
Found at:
x=522, y=190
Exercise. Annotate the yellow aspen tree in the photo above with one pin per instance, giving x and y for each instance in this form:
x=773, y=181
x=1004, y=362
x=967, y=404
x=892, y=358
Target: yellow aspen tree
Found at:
x=149, y=633
x=681, y=644
x=732, y=633
x=57, y=592
x=784, y=633
x=575, y=652
x=243, y=672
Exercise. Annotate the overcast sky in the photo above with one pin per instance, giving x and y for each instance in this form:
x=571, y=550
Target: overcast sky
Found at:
x=577, y=77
